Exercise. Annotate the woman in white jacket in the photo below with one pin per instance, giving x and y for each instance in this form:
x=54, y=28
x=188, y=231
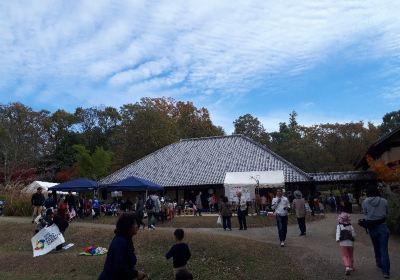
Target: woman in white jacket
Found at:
x=345, y=236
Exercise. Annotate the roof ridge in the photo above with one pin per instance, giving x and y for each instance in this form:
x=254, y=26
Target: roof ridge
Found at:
x=341, y=172
x=210, y=137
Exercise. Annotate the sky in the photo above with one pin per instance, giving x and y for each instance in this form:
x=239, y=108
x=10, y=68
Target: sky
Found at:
x=330, y=61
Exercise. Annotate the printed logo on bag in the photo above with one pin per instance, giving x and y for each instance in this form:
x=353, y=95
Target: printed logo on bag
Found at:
x=50, y=237
x=39, y=245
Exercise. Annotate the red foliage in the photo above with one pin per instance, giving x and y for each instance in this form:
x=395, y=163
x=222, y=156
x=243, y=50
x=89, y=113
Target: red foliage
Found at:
x=384, y=172
x=66, y=175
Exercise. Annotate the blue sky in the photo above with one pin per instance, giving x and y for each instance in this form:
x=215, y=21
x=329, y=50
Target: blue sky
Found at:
x=331, y=61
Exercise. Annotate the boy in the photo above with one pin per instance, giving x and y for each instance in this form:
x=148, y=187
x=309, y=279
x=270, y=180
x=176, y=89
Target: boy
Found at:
x=180, y=252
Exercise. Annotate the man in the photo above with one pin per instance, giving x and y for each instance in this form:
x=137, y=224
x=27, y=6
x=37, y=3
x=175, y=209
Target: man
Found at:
x=241, y=211
x=281, y=206
x=375, y=209
x=199, y=204
x=37, y=201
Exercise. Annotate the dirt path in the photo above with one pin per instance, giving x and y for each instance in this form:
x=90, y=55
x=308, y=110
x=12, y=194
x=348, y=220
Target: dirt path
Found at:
x=317, y=253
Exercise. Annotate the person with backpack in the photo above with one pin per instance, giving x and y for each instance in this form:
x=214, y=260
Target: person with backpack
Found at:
x=375, y=209
x=345, y=236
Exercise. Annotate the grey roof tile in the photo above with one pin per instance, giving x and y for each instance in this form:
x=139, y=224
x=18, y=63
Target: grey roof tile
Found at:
x=204, y=161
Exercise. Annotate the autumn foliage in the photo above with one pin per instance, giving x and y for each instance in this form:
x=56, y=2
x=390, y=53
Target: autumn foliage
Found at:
x=383, y=171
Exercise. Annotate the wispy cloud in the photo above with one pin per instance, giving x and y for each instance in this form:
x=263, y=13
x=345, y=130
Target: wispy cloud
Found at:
x=199, y=48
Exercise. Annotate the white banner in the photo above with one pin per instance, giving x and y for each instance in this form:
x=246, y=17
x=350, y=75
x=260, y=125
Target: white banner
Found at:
x=231, y=192
x=46, y=240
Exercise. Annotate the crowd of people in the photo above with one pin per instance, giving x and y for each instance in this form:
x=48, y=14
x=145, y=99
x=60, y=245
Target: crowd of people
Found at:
x=374, y=208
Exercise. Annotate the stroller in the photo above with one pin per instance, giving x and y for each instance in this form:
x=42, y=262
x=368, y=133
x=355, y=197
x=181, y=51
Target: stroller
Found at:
x=2, y=204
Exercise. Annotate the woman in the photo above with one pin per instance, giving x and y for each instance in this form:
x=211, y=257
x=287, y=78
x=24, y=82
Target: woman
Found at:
x=121, y=259
x=226, y=213
x=299, y=205
x=375, y=209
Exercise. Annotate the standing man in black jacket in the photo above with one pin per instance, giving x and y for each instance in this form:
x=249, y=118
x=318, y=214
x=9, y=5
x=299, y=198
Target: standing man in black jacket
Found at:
x=37, y=201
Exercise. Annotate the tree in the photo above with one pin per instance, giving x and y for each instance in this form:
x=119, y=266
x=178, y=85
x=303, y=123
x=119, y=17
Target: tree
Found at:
x=390, y=122
x=251, y=127
x=25, y=139
x=94, y=166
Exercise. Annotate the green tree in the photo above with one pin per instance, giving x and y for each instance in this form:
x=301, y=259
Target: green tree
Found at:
x=251, y=127
x=94, y=166
x=390, y=122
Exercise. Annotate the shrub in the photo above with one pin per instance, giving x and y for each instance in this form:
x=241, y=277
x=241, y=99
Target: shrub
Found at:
x=17, y=203
x=394, y=211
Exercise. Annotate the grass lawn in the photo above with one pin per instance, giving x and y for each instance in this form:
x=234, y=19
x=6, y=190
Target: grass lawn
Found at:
x=207, y=221
x=213, y=256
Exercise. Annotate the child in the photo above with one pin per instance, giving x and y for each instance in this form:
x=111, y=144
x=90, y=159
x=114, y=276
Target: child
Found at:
x=180, y=252
x=345, y=236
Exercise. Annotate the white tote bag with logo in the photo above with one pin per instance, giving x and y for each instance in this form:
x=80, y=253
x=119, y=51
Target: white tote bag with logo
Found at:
x=46, y=240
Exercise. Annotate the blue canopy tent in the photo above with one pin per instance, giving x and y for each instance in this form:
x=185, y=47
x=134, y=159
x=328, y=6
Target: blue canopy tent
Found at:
x=133, y=183
x=77, y=185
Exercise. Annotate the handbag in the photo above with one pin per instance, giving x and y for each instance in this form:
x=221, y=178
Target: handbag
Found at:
x=219, y=220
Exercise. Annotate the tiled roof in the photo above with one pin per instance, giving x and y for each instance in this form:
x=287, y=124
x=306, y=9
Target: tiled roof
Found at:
x=204, y=161
x=343, y=176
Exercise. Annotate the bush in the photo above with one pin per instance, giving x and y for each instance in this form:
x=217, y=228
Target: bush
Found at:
x=17, y=203
x=394, y=212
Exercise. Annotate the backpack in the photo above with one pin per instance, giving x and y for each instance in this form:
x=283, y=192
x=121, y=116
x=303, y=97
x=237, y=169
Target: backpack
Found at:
x=149, y=204
x=345, y=234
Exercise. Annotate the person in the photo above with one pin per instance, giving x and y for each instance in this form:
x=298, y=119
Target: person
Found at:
x=281, y=206
x=150, y=213
x=50, y=202
x=241, y=211
x=179, y=252
x=347, y=203
x=140, y=210
x=375, y=209
x=299, y=205
x=199, y=204
x=61, y=220
x=226, y=213
x=263, y=203
x=121, y=259
x=128, y=205
x=332, y=203
x=96, y=207
x=37, y=202
x=345, y=236
x=70, y=199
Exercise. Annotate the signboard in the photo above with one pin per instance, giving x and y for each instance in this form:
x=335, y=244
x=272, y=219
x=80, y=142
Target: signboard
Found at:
x=231, y=192
x=46, y=240
x=246, y=182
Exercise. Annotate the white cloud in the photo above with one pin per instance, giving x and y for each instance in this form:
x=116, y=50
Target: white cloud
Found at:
x=107, y=51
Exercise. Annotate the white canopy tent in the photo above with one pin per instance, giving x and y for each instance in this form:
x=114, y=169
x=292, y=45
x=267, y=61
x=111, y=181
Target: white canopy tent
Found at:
x=32, y=187
x=246, y=182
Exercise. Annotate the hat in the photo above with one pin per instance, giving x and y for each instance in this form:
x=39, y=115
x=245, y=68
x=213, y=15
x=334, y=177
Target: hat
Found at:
x=344, y=218
x=297, y=194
